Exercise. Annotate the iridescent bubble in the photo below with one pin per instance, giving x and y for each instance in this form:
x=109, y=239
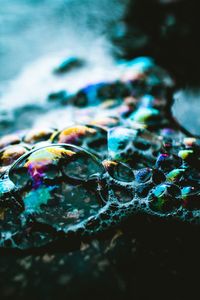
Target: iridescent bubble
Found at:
x=147, y=101
x=167, y=162
x=145, y=115
x=143, y=175
x=175, y=175
x=10, y=154
x=10, y=139
x=133, y=146
x=185, y=154
x=165, y=197
x=91, y=137
x=118, y=140
x=119, y=171
x=94, y=94
x=107, y=122
x=190, y=142
x=58, y=185
x=168, y=132
x=38, y=135
x=191, y=197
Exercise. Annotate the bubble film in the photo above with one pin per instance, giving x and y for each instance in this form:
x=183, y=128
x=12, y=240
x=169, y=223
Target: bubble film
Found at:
x=87, y=178
x=91, y=137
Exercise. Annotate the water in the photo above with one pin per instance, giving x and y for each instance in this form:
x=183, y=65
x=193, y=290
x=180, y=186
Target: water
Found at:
x=35, y=36
x=33, y=28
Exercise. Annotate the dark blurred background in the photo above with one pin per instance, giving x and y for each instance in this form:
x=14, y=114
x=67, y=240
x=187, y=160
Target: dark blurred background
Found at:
x=165, y=30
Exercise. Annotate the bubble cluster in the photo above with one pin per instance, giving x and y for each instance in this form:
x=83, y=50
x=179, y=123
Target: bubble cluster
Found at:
x=90, y=137
x=85, y=178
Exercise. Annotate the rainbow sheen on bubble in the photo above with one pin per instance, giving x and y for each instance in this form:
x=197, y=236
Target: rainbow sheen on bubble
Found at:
x=127, y=159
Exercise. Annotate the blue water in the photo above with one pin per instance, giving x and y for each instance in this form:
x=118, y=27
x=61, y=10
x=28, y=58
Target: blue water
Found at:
x=32, y=28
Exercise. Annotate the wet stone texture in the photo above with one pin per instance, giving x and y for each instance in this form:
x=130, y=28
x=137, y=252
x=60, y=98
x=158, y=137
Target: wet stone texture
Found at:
x=118, y=265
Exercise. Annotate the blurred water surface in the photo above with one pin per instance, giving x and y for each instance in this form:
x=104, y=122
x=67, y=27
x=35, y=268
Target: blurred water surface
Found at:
x=32, y=28
x=35, y=36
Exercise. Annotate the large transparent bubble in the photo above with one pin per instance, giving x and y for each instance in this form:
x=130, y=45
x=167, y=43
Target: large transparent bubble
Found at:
x=56, y=186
